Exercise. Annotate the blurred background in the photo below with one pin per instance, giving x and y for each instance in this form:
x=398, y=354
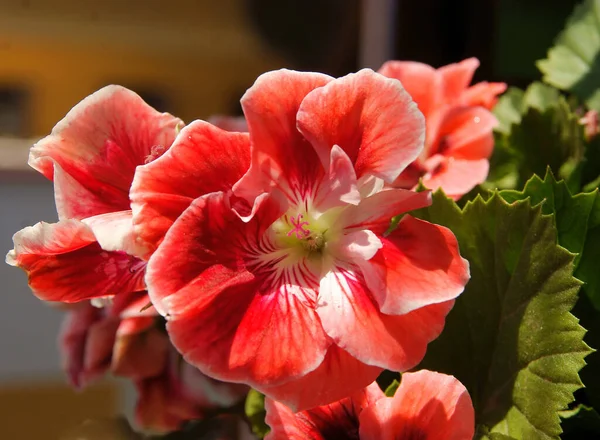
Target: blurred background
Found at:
x=194, y=58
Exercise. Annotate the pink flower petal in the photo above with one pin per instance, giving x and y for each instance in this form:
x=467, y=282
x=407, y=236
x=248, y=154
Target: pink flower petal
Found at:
x=65, y=263
x=132, y=305
x=376, y=212
x=280, y=155
x=98, y=145
x=418, y=265
x=72, y=343
x=457, y=177
x=114, y=232
x=339, y=186
x=338, y=420
x=371, y=117
x=99, y=342
x=203, y=159
x=466, y=133
x=427, y=405
x=455, y=78
x=483, y=94
x=317, y=387
x=226, y=321
x=75, y=200
x=140, y=349
x=357, y=246
x=351, y=318
x=420, y=81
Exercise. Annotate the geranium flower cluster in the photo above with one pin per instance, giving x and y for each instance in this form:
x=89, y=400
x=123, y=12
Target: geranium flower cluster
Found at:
x=265, y=256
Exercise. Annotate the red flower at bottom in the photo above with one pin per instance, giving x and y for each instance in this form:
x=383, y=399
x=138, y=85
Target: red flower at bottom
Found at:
x=426, y=406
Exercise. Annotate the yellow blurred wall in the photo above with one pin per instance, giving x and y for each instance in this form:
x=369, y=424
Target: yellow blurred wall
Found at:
x=199, y=55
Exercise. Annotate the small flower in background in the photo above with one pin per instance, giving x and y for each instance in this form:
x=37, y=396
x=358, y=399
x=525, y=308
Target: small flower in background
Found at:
x=117, y=337
x=426, y=406
x=590, y=123
x=459, y=138
x=180, y=393
x=131, y=344
x=285, y=282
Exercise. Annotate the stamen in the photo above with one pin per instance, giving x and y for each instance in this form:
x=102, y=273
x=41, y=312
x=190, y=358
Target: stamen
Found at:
x=298, y=227
x=155, y=152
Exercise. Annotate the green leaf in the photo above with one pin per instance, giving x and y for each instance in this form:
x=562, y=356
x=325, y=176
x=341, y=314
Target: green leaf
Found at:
x=539, y=96
x=514, y=103
x=553, y=137
x=391, y=390
x=539, y=128
x=510, y=338
x=508, y=109
x=573, y=64
x=496, y=436
x=578, y=223
x=577, y=220
x=255, y=411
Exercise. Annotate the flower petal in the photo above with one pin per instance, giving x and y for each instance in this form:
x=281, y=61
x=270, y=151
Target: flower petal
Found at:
x=466, y=133
x=337, y=420
x=317, y=387
x=73, y=338
x=376, y=212
x=98, y=145
x=457, y=177
x=339, y=187
x=427, y=405
x=371, y=117
x=140, y=349
x=357, y=245
x=351, y=318
x=114, y=232
x=420, y=81
x=225, y=320
x=483, y=94
x=455, y=78
x=132, y=305
x=237, y=332
x=65, y=263
x=418, y=265
x=203, y=159
x=280, y=155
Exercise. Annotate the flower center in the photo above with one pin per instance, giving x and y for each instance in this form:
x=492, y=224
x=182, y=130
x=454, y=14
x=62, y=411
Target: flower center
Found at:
x=299, y=227
x=301, y=232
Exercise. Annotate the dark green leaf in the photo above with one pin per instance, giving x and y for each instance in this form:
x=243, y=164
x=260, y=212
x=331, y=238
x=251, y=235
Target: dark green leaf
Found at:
x=552, y=137
x=577, y=222
x=511, y=339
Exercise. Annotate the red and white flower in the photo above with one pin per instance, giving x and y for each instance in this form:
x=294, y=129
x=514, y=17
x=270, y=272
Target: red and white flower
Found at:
x=426, y=406
x=459, y=138
x=289, y=283
x=91, y=156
